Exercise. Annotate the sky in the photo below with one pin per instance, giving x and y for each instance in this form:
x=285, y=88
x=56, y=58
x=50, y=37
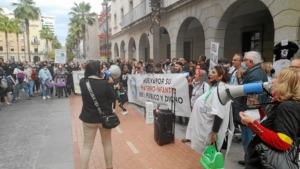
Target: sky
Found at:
x=59, y=9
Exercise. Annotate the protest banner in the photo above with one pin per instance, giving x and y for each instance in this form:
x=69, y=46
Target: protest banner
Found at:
x=77, y=75
x=60, y=56
x=214, y=48
x=157, y=89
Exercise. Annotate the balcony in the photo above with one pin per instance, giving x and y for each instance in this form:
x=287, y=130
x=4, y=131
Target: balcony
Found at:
x=138, y=12
x=35, y=42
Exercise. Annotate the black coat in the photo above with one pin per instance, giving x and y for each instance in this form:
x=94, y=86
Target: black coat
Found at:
x=10, y=68
x=105, y=95
x=283, y=118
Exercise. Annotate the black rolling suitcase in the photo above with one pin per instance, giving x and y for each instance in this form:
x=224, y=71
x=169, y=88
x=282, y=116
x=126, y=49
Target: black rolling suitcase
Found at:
x=164, y=123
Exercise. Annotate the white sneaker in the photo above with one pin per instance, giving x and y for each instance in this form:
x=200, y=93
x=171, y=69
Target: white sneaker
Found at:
x=44, y=97
x=35, y=91
x=19, y=98
x=114, y=110
x=48, y=97
x=16, y=98
x=124, y=112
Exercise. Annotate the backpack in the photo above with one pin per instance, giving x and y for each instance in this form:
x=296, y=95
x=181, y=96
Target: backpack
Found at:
x=20, y=77
x=3, y=83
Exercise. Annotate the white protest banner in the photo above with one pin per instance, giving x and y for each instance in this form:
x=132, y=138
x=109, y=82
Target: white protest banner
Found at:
x=77, y=75
x=214, y=48
x=157, y=89
x=60, y=56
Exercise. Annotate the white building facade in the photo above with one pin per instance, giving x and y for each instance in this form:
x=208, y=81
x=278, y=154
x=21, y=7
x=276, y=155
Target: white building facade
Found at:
x=188, y=27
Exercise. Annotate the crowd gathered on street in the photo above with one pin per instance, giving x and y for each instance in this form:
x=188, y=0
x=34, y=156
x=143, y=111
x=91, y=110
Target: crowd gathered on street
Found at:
x=209, y=122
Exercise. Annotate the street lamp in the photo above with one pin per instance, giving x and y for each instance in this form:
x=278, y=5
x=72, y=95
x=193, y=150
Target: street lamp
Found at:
x=23, y=30
x=105, y=4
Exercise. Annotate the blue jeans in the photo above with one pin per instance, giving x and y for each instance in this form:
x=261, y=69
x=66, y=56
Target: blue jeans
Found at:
x=25, y=86
x=44, y=88
x=31, y=86
x=247, y=135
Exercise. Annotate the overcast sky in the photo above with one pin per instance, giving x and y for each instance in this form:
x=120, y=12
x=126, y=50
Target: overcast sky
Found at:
x=59, y=9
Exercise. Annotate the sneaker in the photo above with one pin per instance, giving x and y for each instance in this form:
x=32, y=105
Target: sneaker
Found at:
x=35, y=92
x=114, y=110
x=28, y=100
x=19, y=98
x=13, y=101
x=7, y=103
x=124, y=112
x=32, y=95
x=242, y=163
x=44, y=97
x=48, y=97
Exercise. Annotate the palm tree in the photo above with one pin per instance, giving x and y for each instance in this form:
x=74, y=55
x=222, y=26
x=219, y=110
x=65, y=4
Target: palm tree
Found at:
x=75, y=33
x=17, y=29
x=6, y=25
x=80, y=14
x=26, y=10
x=48, y=35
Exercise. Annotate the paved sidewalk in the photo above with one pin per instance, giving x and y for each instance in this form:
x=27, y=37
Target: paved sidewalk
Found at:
x=133, y=145
x=36, y=134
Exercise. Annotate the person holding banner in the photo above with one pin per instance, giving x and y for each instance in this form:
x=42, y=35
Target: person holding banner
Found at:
x=210, y=117
x=200, y=86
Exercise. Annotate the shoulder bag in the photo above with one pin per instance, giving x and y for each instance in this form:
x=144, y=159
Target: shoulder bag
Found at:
x=108, y=121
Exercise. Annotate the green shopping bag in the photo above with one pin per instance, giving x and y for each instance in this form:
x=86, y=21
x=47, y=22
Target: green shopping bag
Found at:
x=212, y=158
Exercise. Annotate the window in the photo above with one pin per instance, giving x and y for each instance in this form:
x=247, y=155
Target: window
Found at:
x=22, y=49
x=115, y=17
x=130, y=5
x=21, y=39
x=36, y=50
x=12, y=49
x=1, y=48
x=122, y=12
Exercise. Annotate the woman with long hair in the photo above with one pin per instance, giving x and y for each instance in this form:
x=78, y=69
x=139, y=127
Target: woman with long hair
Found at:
x=279, y=128
x=91, y=119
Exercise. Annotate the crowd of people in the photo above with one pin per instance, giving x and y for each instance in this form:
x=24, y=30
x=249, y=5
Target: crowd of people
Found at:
x=277, y=127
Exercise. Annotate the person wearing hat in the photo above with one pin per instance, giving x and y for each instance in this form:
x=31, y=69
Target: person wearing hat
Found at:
x=158, y=69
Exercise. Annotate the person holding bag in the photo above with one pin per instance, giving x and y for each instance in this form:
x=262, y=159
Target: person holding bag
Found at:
x=275, y=144
x=97, y=97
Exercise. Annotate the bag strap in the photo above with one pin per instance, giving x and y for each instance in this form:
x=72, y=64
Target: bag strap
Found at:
x=88, y=85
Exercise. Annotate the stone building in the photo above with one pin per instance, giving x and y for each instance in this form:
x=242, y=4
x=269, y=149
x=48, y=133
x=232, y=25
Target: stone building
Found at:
x=187, y=27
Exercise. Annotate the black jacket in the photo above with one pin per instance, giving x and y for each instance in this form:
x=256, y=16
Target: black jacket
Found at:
x=283, y=118
x=105, y=95
x=10, y=68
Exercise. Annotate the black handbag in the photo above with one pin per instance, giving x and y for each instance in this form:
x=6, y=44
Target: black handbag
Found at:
x=271, y=158
x=110, y=120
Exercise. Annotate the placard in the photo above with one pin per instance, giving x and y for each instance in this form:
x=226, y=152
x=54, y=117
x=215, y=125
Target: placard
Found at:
x=60, y=56
x=77, y=75
x=214, y=48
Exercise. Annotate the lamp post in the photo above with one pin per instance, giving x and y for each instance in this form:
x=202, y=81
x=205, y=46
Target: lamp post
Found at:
x=23, y=30
x=105, y=4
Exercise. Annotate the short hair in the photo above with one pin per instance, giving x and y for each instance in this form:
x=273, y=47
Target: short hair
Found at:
x=254, y=56
x=92, y=68
x=194, y=61
x=203, y=58
x=288, y=85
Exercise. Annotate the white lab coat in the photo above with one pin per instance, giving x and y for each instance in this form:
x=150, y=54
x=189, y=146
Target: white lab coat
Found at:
x=199, y=129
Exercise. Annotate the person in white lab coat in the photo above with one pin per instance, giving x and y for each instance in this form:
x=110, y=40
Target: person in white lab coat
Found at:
x=210, y=117
x=200, y=86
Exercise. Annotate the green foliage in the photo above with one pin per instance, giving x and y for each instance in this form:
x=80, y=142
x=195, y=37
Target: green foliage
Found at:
x=56, y=44
x=6, y=24
x=70, y=56
x=51, y=54
x=46, y=34
x=26, y=10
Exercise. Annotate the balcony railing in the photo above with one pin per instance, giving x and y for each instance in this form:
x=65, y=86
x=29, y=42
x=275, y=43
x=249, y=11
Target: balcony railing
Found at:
x=35, y=42
x=138, y=12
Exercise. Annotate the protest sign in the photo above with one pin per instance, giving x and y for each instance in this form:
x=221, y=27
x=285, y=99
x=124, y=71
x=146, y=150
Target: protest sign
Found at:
x=214, y=48
x=157, y=89
x=77, y=75
x=60, y=56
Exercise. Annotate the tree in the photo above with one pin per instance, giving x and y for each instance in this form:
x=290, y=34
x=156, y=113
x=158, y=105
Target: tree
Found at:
x=74, y=38
x=26, y=10
x=6, y=26
x=51, y=54
x=70, y=56
x=17, y=29
x=48, y=35
x=56, y=44
x=80, y=15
